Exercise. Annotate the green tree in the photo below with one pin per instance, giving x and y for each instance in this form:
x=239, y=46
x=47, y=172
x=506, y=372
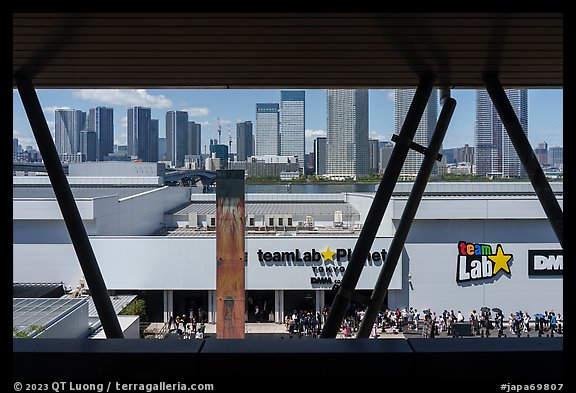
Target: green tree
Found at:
x=29, y=332
x=135, y=307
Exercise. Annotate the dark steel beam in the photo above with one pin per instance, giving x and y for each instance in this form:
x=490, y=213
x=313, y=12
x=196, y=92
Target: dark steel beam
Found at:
x=378, y=207
x=397, y=245
x=68, y=207
x=525, y=153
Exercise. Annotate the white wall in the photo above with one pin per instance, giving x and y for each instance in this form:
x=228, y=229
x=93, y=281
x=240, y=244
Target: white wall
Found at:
x=433, y=270
x=143, y=214
x=157, y=263
x=40, y=220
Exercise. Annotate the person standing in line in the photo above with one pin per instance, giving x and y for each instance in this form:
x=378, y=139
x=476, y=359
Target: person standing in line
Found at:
x=184, y=323
x=553, y=321
x=526, y=323
x=178, y=324
x=460, y=317
x=441, y=324
x=511, y=321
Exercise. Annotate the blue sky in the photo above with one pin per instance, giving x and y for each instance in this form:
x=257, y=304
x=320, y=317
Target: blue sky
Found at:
x=545, y=121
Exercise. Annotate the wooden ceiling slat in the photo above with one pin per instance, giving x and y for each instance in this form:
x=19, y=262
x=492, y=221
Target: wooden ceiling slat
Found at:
x=292, y=48
x=335, y=30
x=287, y=20
x=265, y=50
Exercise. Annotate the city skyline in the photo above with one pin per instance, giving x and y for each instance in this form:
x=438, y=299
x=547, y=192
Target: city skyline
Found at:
x=233, y=106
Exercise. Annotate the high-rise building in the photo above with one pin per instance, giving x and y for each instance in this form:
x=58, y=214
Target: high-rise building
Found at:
x=15, y=146
x=152, y=150
x=142, y=134
x=385, y=151
x=402, y=101
x=244, y=140
x=556, y=155
x=161, y=149
x=176, y=137
x=68, y=124
x=101, y=121
x=292, y=123
x=194, y=138
x=494, y=154
x=541, y=153
x=374, y=155
x=320, y=144
x=138, y=130
x=89, y=144
x=450, y=156
x=310, y=168
x=347, y=148
x=220, y=151
x=267, y=137
x=465, y=154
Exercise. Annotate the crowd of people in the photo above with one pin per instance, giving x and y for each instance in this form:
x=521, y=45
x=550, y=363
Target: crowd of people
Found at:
x=426, y=323
x=304, y=323
x=191, y=326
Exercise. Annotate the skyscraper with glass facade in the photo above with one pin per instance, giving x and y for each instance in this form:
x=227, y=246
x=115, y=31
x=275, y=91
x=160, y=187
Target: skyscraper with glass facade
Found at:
x=244, y=141
x=101, y=121
x=494, y=154
x=176, y=137
x=267, y=137
x=292, y=120
x=402, y=101
x=68, y=124
x=194, y=138
x=142, y=134
x=347, y=152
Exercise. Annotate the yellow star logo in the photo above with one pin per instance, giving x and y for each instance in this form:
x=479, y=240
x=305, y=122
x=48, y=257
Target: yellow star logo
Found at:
x=500, y=260
x=328, y=255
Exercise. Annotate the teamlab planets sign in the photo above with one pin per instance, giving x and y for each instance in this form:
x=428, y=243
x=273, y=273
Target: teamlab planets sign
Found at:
x=477, y=261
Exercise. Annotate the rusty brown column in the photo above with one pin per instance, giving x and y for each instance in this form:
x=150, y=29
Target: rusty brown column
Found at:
x=230, y=253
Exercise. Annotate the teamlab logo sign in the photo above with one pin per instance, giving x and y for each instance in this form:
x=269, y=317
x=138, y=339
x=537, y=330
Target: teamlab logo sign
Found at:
x=545, y=263
x=478, y=261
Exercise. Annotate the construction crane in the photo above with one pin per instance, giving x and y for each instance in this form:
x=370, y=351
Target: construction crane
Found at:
x=229, y=140
x=219, y=130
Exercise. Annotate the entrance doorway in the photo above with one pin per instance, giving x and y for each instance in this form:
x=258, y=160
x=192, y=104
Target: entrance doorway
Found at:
x=260, y=306
x=299, y=301
x=191, y=304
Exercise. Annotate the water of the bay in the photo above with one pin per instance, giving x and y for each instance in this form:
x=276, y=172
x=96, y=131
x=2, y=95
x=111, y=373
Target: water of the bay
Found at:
x=309, y=188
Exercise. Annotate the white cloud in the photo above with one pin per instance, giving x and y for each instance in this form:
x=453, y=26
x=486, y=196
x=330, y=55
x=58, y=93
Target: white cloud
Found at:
x=121, y=139
x=390, y=95
x=49, y=110
x=124, y=97
x=197, y=111
x=125, y=122
x=312, y=134
x=381, y=135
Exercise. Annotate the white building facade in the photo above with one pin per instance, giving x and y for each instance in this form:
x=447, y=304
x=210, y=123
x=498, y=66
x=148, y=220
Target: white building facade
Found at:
x=471, y=245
